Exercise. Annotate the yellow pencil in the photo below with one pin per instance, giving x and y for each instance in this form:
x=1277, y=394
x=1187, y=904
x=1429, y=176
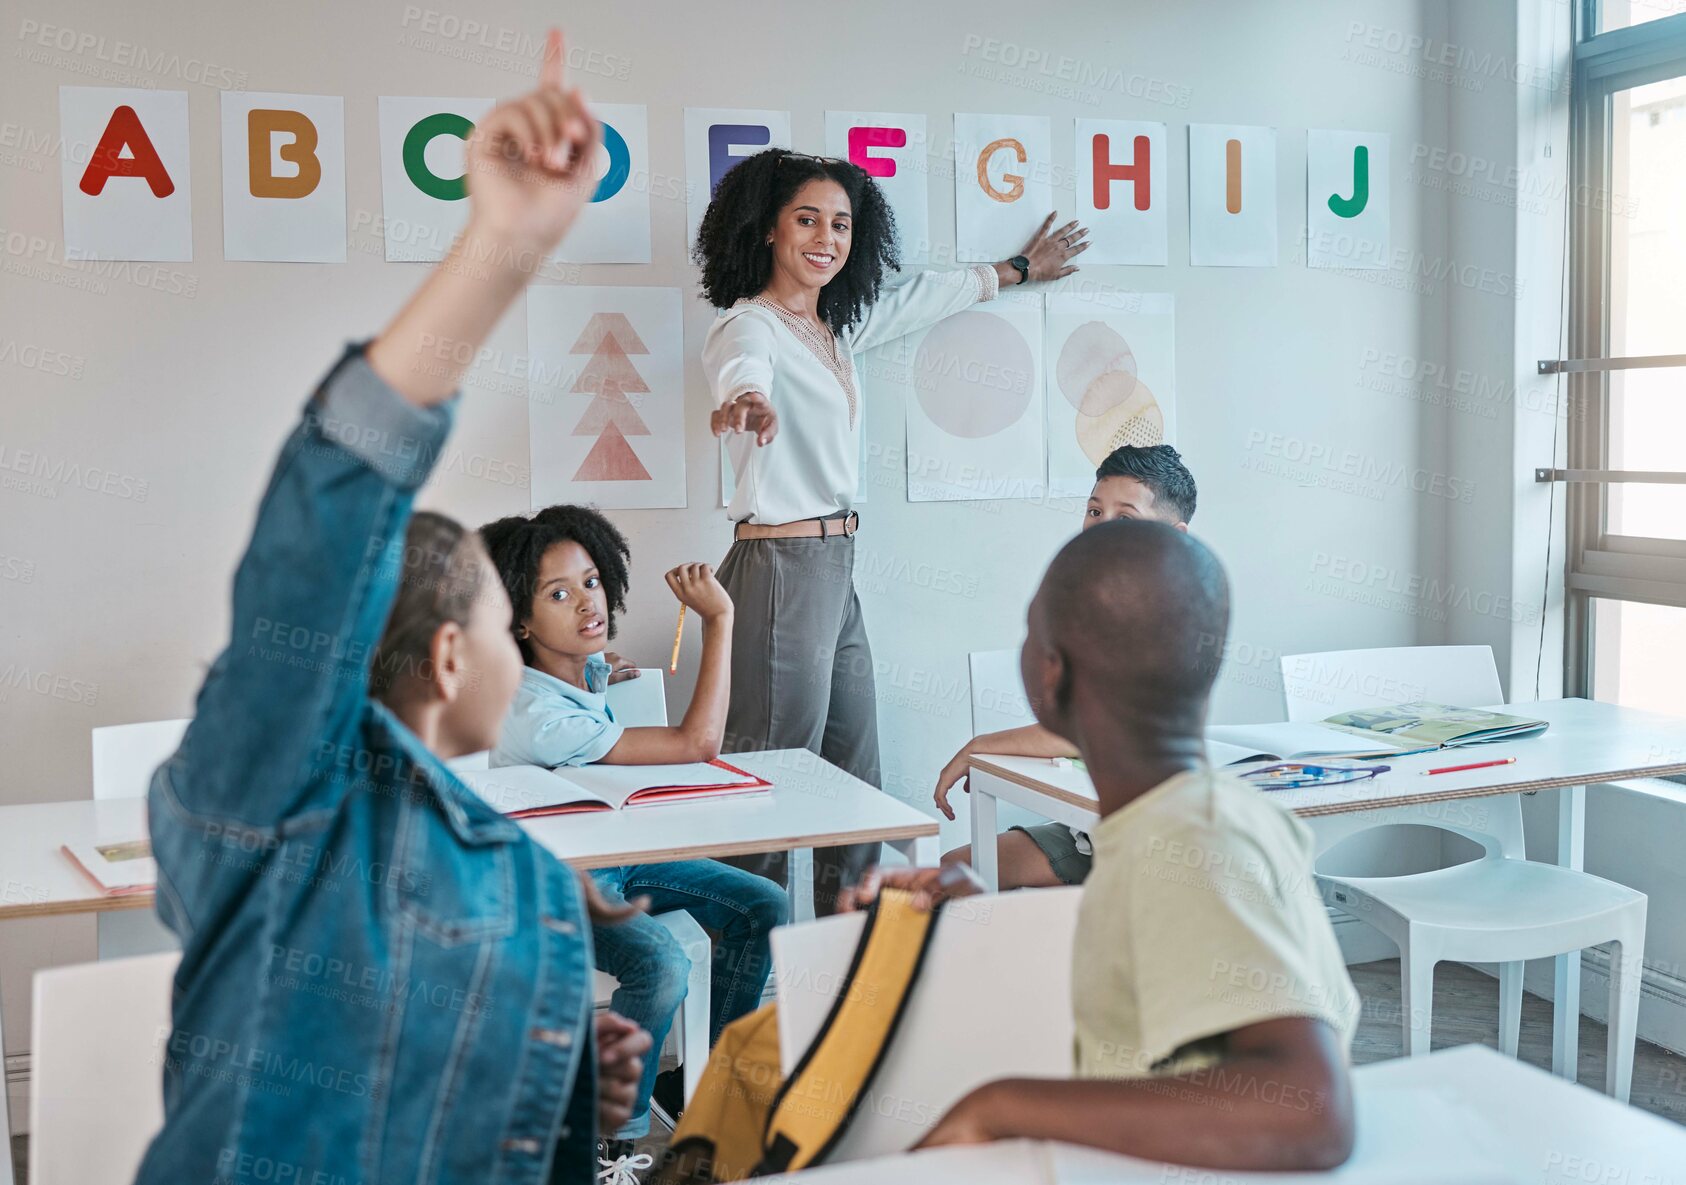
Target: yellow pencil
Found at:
x=678, y=633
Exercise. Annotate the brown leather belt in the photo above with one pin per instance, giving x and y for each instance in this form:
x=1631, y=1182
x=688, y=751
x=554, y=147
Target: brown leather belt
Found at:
x=806, y=528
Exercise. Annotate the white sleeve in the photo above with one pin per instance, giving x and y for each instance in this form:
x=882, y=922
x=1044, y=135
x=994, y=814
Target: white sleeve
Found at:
x=924, y=299
x=737, y=356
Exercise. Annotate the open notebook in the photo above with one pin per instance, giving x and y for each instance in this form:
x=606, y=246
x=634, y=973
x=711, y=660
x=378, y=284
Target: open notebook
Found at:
x=118, y=868
x=521, y=791
x=1371, y=732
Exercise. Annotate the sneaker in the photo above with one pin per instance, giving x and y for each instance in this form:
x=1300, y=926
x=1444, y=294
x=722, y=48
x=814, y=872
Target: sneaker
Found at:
x=617, y=1163
x=667, y=1097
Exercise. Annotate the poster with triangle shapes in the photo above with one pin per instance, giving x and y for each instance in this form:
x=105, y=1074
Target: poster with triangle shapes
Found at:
x=606, y=409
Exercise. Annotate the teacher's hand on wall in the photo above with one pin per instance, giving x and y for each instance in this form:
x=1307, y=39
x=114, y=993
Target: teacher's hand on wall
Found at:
x=1049, y=251
x=749, y=412
x=529, y=162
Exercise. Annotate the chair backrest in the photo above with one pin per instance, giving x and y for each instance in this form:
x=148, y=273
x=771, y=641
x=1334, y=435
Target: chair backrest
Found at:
x=126, y=754
x=998, y=698
x=640, y=702
x=973, y=1015
x=96, y=1058
x=1318, y=685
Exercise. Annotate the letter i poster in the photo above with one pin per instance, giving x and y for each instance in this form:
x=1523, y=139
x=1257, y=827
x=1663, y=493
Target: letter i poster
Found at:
x=1111, y=372
x=606, y=406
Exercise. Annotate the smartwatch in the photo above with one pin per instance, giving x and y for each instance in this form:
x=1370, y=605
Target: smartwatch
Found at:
x=1023, y=266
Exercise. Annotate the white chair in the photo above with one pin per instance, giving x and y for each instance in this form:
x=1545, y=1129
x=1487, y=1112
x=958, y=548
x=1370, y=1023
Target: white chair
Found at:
x=1498, y=908
x=96, y=1057
x=972, y=1016
x=124, y=757
x=999, y=703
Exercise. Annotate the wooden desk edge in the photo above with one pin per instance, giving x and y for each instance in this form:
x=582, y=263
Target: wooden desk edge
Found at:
x=47, y=909
x=714, y=851
x=1029, y=783
x=1366, y=804
x=615, y=860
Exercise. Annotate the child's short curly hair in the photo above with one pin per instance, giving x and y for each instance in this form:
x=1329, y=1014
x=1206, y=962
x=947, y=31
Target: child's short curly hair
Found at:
x=517, y=545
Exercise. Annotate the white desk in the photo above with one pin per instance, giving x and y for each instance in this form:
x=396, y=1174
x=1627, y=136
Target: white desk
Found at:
x=812, y=804
x=1587, y=743
x=1522, y=1122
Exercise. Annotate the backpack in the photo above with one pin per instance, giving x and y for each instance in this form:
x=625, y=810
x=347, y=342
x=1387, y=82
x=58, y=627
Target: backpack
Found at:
x=747, y=1119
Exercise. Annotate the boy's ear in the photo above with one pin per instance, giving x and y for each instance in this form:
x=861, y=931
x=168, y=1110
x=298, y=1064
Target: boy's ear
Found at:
x=1181, y=526
x=444, y=676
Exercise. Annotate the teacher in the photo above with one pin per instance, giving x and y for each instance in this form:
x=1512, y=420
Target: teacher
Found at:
x=795, y=250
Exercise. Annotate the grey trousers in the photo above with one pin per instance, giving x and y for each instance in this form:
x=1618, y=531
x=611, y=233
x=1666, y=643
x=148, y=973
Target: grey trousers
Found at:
x=802, y=678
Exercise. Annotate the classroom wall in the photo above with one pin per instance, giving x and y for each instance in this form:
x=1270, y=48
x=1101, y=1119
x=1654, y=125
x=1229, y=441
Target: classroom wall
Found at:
x=190, y=385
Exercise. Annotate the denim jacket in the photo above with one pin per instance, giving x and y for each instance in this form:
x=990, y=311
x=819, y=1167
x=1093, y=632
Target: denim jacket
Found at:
x=383, y=980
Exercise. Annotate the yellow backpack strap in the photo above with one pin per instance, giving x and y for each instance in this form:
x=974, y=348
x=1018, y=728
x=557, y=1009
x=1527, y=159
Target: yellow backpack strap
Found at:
x=813, y=1107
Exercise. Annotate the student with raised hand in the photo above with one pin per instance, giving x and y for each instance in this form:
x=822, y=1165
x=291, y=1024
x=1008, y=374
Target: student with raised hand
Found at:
x=795, y=251
x=382, y=979
x=1213, y=1010
x=1143, y=482
x=566, y=572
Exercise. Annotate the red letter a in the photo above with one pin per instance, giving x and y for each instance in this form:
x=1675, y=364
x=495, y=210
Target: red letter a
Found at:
x=125, y=131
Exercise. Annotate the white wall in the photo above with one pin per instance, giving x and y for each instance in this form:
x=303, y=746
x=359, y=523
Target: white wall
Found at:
x=192, y=393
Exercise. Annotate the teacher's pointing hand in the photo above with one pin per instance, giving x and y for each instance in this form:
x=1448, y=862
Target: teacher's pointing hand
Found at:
x=749, y=412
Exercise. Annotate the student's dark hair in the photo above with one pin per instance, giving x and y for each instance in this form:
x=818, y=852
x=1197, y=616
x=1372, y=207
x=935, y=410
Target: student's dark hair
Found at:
x=438, y=581
x=1160, y=468
x=517, y=545
x=732, y=248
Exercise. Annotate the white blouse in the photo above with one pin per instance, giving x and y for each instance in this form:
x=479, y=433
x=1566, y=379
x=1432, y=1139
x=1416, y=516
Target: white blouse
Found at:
x=812, y=467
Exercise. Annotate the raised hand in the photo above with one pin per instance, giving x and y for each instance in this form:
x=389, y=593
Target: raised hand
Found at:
x=530, y=161
x=1050, y=250
x=698, y=590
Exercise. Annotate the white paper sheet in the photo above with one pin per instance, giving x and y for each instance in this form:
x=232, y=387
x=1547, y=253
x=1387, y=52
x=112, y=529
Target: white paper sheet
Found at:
x=1132, y=174
x=1348, y=206
x=283, y=177
x=716, y=138
x=148, y=215
x=420, y=224
x=1003, y=183
x=1231, y=195
x=606, y=409
x=1111, y=377
x=974, y=413
x=614, y=227
x=892, y=147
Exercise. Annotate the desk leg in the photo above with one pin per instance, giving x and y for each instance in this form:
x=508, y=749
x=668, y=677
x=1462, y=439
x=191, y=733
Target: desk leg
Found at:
x=802, y=885
x=1566, y=1015
x=5, y=1119
x=920, y=851
x=983, y=836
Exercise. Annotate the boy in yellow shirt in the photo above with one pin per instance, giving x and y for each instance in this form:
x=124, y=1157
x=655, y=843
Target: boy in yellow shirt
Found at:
x=1213, y=1010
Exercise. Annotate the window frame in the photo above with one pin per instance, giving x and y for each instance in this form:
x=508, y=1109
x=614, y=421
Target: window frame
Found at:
x=1599, y=565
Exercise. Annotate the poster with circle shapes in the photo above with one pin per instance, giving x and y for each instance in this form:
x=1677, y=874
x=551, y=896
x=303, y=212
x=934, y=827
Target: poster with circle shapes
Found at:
x=1111, y=369
x=974, y=406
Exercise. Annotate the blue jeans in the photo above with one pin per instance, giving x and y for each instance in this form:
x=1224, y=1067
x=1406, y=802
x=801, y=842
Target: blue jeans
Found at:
x=653, y=972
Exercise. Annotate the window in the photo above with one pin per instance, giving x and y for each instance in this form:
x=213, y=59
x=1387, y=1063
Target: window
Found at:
x=1626, y=366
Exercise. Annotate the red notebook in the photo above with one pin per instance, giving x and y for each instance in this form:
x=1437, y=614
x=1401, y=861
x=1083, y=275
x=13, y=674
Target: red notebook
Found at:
x=522, y=791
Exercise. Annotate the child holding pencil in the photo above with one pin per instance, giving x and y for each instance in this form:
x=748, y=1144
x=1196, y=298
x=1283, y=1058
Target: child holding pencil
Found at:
x=566, y=572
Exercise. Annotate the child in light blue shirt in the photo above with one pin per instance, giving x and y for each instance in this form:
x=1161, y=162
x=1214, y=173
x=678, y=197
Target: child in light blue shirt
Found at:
x=565, y=570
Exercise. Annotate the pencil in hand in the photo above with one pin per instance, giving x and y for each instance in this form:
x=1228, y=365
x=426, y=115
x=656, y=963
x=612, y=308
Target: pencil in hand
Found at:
x=678, y=634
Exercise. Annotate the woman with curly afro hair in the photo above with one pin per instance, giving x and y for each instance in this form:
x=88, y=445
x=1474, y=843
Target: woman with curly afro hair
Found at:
x=796, y=251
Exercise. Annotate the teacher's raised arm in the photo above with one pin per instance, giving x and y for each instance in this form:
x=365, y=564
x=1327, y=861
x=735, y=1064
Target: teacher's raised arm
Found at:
x=797, y=252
